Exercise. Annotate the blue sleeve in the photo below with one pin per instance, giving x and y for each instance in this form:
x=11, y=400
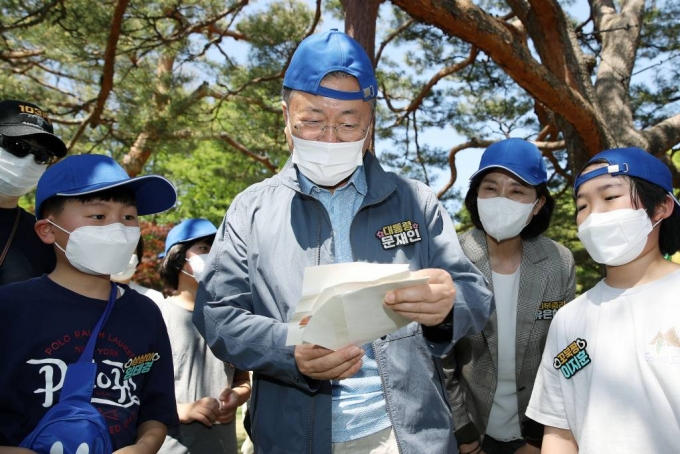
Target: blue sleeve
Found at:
x=474, y=303
x=225, y=315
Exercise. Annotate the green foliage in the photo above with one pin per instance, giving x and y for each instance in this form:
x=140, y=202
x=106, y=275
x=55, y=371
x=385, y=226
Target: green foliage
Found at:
x=153, y=236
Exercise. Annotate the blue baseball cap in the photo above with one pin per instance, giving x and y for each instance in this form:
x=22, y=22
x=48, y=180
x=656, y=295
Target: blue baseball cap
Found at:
x=323, y=53
x=632, y=162
x=87, y=173
x=519, y=157
x=188, y=230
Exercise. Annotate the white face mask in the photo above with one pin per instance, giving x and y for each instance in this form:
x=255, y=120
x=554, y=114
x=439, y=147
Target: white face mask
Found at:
x=503, y=218
x=327, y=163
x=18, y=175
x=100, y=249
x=128, y=272
x=616, y=237
x=197, y=263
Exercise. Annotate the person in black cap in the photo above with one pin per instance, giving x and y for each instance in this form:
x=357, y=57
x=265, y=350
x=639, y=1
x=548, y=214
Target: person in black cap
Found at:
x=608, y=380
x=27, y=146
x=87, y=209
x=334, y=203
x=491, y=374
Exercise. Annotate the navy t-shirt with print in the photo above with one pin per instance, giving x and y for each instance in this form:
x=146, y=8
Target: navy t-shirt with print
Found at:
x=44, y=327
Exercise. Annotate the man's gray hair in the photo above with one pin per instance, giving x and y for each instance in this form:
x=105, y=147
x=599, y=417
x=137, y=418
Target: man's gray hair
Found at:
x=286, y=93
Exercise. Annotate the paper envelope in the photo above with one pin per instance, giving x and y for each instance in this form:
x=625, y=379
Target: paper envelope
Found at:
x=343, y=304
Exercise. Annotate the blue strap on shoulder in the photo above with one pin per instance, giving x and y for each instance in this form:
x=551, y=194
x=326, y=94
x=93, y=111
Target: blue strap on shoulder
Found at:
x=80, y=376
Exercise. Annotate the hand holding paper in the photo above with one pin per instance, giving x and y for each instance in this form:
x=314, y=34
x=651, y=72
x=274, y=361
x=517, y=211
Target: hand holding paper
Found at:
x=321, y=363
x=427, y=304
x=343, y=304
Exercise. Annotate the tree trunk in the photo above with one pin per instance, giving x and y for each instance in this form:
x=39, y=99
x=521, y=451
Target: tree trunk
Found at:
x=361, y=17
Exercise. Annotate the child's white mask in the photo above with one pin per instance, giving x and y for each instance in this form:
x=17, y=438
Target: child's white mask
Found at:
x=128, y=272
x=197, y=263
x=18, y=175
x=616, y=237
x=503, y=218
x=100, y=249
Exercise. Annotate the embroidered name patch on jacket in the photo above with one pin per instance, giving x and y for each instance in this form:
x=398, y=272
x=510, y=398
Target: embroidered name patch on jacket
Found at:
x=548, y=309
x=572, y=359
x=399, y=234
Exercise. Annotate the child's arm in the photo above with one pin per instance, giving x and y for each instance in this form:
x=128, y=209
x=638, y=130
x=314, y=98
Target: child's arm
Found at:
x=150, y=438
x=13, y=450
x=558, y=441
x=205, y=410
x=234, y=397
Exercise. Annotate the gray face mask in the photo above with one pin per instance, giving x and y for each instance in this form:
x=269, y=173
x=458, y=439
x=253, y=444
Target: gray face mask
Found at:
x=18, y=175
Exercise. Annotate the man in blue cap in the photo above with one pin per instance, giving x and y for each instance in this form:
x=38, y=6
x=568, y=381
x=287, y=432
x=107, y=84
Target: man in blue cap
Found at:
x=87, y=208
x=332, y=203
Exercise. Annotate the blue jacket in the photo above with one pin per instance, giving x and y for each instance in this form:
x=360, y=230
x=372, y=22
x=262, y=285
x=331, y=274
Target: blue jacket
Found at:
x=252, y=282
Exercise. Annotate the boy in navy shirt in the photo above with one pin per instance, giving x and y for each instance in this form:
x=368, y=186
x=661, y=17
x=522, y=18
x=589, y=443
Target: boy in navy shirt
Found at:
x=87, y=207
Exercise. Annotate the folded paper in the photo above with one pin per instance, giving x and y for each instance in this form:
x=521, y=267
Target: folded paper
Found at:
x=342, y=304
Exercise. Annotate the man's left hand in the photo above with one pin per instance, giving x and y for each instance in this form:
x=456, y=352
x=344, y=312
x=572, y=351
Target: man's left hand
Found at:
x=427, y=304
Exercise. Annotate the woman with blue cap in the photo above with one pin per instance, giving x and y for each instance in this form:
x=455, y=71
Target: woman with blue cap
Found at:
x=208, y=391
x=531, y=277
x=609, y=376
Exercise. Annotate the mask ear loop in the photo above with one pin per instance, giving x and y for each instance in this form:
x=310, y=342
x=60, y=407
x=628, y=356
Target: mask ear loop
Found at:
x=188, y=274
x=530, y=212
x=55, y=240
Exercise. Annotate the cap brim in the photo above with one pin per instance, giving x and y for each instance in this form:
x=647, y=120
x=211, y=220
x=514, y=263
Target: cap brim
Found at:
x=186, y=240
x=525, y=178
x=154, y=193
x=54, y=143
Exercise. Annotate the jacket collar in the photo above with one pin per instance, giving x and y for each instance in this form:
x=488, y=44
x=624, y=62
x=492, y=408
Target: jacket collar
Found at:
x=532, y=251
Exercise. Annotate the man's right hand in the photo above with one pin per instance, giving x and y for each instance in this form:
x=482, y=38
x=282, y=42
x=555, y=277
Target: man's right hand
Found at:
x=320, y=363
x=205, y=410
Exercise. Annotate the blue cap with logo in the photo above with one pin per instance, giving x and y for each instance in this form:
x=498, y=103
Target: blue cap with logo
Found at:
x=632, y=162
x=87, y=173
x=519, y=157
x=323, y=53
x=188, y=230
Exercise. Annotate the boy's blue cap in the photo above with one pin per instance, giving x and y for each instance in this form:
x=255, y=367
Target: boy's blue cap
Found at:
x=632, y=162
x=188, y=230
x=517, y=156
x=87, y=173
x=323, y=53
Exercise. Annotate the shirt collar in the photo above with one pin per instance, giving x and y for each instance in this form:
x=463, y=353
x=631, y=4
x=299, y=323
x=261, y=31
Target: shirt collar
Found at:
x=358, y=180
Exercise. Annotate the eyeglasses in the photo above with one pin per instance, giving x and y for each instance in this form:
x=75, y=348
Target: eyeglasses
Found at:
x=21, y=149
x=313, y=130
